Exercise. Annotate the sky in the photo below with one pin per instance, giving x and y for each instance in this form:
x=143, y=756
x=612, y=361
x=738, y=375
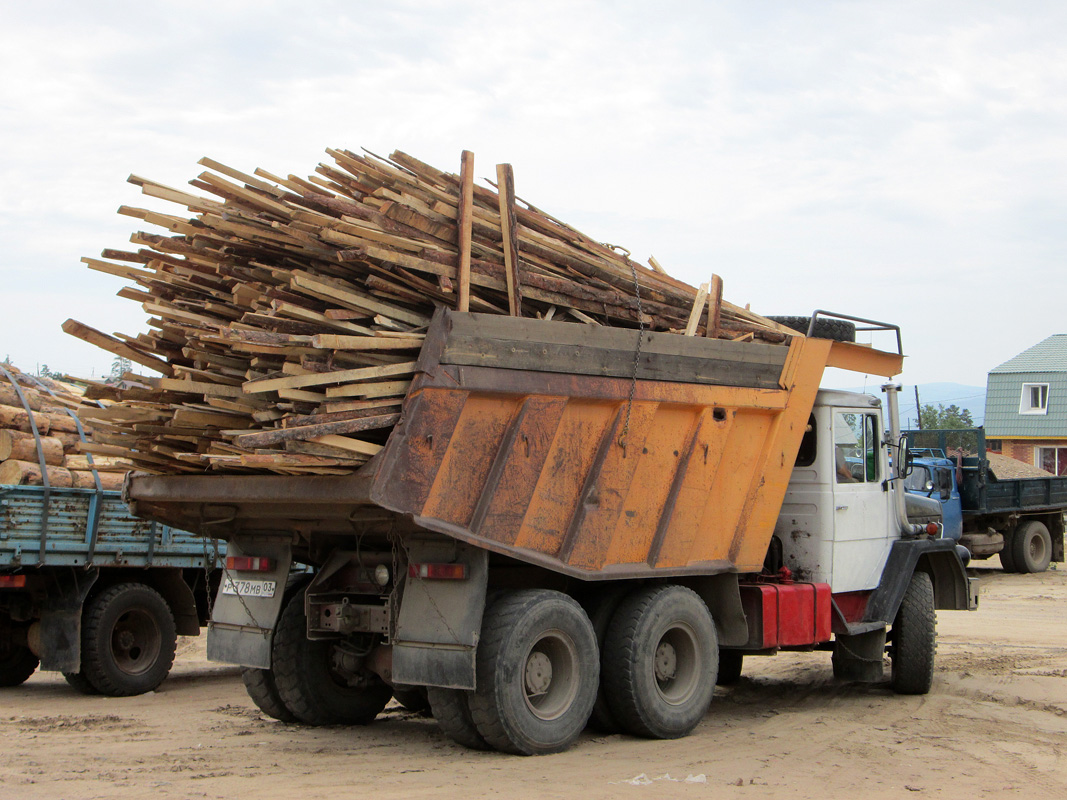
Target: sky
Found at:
x=899, y=161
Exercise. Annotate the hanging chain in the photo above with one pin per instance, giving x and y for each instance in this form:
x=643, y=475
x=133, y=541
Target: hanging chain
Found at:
x=637, y=356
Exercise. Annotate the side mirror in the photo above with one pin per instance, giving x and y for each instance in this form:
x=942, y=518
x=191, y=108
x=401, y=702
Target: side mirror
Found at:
x=906, y=457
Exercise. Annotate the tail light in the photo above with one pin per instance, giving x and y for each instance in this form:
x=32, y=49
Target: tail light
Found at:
x=438, y=572
x=249, y=564
x=12, y=581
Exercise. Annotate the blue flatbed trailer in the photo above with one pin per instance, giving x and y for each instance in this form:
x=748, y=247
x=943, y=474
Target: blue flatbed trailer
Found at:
x=88, y=590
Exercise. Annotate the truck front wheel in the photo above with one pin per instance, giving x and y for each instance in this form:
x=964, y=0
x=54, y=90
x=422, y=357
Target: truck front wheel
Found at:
x=915, y=638
x=1031, y=547
x=128, y=640
x=661, y=661
x=17, y=661
x=321, y=682
x=537, y=672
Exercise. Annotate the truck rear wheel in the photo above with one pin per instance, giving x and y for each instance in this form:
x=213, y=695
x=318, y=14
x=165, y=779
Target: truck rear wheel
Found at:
x=537, y=671
x=316, y=680
x=128, y=640
x=17, y=661
x=1031, y=547
x=661, y=661
x=80, y=683
x=260, y=685
x=1007, y=553
x=412, y=698
x=601, y=608
x=451, y=710
x=915, y=638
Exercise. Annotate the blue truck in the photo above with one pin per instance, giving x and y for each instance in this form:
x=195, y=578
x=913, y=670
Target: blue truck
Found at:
x=1019, y=519
x=88, y=590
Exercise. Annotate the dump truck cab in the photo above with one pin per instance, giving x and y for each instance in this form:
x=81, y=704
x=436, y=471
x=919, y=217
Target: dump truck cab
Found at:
x=836, y=521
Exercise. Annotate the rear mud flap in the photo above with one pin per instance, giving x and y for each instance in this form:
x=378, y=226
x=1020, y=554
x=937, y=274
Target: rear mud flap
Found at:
x=248, y=604
x=440, y=620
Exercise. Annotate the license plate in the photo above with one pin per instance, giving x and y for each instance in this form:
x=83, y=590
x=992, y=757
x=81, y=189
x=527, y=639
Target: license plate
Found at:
x=245, y=588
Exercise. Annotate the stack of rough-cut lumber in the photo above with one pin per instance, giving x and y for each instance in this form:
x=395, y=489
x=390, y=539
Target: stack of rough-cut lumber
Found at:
x=58, y=442
x=286, y=314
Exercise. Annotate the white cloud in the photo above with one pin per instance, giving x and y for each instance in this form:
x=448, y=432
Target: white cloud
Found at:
x=901, y=160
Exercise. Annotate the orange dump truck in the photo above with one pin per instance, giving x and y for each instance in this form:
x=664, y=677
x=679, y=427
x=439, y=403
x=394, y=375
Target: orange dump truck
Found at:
x=576, y=525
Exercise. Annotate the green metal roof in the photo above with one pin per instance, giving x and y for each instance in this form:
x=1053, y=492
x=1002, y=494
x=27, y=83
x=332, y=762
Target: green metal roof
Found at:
x=1044, y=363
x=1047, y=356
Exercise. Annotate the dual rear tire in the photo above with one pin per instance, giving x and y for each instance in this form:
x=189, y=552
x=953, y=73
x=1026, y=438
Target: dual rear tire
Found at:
x=541, y=663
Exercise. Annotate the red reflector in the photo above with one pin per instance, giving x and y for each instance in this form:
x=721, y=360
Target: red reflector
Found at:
x=249, y=563
x=439, y=572
x=12, y=581
x=931, y=528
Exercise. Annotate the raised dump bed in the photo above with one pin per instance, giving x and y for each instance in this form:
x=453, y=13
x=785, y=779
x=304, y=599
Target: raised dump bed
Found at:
x=571, y=446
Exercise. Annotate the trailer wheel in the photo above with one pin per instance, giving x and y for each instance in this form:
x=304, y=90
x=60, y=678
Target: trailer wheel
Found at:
x=315, y=679
x=661, y=662
x=730, y=664
x=128, y=640
x=914, y=638
x=451, y=710
x=80, y=683
x=1031, y=547
x=260, y=685
x=601, y=608
x=537, y=671
x=17, y=661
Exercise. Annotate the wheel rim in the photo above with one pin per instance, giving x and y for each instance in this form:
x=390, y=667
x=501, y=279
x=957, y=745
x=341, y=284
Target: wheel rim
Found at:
x=136, y=642
x=1036, y=548
x=550, y=675
x=677, y=664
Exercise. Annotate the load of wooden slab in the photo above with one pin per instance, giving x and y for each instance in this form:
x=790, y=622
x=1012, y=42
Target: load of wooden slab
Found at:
x=286, y=314
x=54, y=451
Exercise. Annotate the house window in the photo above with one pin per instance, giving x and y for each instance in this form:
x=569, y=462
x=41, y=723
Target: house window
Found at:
x=1052, y=459
x=1034, y=398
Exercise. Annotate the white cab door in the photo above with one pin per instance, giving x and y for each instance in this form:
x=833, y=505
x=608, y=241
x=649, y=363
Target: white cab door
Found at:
x=861, y=505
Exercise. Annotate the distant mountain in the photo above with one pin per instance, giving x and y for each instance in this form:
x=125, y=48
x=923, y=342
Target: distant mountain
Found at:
x=971, y=398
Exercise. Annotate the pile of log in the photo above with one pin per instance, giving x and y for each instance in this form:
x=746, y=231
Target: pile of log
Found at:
x=286, y=314
x=52, y=407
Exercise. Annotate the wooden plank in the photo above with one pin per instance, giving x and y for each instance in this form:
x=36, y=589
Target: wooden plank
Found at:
x=697, y=310
x=114, y=346
x=715, y=307
x=504, y=329
x=330, y=341
x=369, y=390
x=586, y=360
x=199, y=387
x=464, y=222
x=330, y=290
x=306, y=432
x=509, y=229
x=337, y=376
x=348, y=443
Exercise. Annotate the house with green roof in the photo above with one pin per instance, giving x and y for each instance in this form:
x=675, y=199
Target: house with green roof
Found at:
x=1026, y=406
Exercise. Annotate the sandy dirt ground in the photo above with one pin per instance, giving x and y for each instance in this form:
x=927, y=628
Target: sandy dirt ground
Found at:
x=995, y=725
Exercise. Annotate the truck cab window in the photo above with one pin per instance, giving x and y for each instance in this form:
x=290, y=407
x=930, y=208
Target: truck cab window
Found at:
x=856, y=447
x=806, y=454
